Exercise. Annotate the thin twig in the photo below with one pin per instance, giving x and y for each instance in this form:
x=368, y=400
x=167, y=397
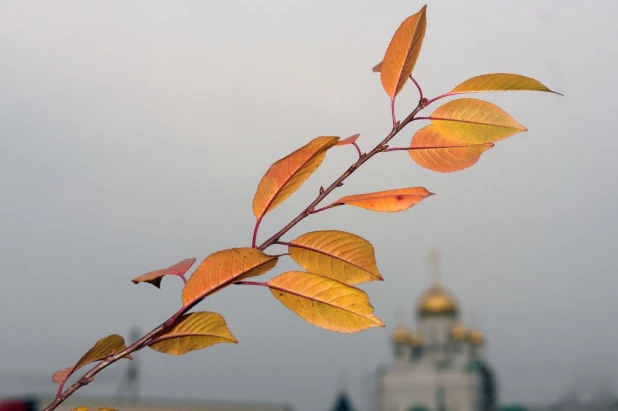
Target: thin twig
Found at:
x=89, y=376
x=418, y=87
x=337, y=183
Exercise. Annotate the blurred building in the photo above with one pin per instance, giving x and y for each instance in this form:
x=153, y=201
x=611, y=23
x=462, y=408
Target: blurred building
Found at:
x=440, y=365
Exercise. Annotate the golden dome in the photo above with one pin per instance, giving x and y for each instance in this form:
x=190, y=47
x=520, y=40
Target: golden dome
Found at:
x=401, y=334
x=415, y=339
x=436, y=301
x=476, y=337
x=459, y=332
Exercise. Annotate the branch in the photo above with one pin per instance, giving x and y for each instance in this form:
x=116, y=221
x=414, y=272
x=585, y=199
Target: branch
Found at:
x=89, y=376
x=310, y=209
x=382, y=146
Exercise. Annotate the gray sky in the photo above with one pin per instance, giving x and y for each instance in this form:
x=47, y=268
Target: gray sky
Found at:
x=134, y=135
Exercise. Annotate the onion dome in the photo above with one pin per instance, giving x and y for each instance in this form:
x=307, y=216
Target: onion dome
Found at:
x=400, y=335
x=436, y=301
x=459, y=332
x=476, y=337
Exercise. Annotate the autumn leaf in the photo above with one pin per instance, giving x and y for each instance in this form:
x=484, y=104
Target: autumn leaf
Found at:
x=342, y=256
x=500, y=82
x=436, y=152
x=350, y=140
x=389, y=201
x=193, y=331
x=473, y=121
x=106, y=346
x=402, y=53
x=285, y=176
x=155, y=277
x=324, y=302
x=223, y=268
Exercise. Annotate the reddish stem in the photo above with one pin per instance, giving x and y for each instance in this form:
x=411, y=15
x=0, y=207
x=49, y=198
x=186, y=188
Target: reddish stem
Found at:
x=441, y=96
x=357, y=149
x=258, y=283
x=393, y=114
x=435, y=147
x=255, y=231
x=317, y=210
x=418, y=86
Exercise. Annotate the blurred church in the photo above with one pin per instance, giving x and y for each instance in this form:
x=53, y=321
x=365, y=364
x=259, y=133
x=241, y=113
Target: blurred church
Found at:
x=438, y=366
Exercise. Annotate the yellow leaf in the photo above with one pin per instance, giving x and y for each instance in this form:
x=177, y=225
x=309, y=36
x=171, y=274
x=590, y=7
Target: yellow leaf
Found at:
x=389, y=201
x=285, y=176
x=324, y=302
x=402, y=53
x=81, y=409
x=342, y=256
x=106, y=409
x=106, y=346
x=500, y=82
x=193, y=331
x=435, y=152
x=223, y=268
x=473, y=121
x=155, y=277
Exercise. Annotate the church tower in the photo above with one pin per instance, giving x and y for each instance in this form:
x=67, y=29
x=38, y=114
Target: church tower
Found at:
x=439, y=366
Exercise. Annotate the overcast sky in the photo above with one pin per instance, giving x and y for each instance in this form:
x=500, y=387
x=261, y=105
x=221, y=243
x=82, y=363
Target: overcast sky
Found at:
x=134, y=134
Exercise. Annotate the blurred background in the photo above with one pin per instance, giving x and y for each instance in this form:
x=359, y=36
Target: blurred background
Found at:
x=135, y=132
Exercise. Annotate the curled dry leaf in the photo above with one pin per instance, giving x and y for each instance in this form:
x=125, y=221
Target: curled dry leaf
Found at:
x=345, y=257
x=500, y=82
x=223, y=268
x=285, y=176
x=155, y=277
x=435, y=152
x=325, y=302
x=472, y=121
x=106, y=346
x=193, y=331
x=402, y=53
x=350, y=140
x=389, y=201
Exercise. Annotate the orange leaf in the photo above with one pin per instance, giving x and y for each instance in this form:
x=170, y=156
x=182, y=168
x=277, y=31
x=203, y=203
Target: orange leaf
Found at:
x=324, y=302
x=285, y=176
x=193, y=331
x=389, y=201
x=101, y=350
x=402, y=53
x=443, y=155
x=345, y=257
x=472, y=121
x=350, y=140
x=155, y=277
x=223, y=268
x=500, y=82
